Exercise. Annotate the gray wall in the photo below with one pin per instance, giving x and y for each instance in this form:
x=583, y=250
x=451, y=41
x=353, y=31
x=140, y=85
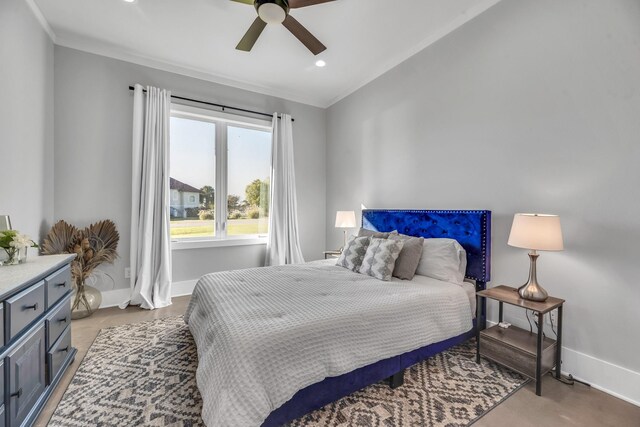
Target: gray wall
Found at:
x=26, y=120
x=93, y=125
x=532, y=106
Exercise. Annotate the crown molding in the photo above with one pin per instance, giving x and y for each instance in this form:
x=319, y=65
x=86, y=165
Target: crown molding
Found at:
x=99, y=48
x=37, y=13
x=423, y=44
x=102, y=49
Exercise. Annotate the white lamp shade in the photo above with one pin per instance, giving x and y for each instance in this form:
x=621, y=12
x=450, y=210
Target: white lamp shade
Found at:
x=345, y=219
x=540, y=232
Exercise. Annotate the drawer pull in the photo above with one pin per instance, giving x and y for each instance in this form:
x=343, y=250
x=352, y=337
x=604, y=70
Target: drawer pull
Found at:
x=30, y=307
x=61, y=285
x=17, y=394
x=66, y=349
x=63, y=320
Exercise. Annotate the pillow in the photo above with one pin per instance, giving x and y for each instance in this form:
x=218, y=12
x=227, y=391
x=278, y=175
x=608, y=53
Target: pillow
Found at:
x=443, y=259
x=363, y=232
x=353, y=253
x=409, y=258
x=381, y=257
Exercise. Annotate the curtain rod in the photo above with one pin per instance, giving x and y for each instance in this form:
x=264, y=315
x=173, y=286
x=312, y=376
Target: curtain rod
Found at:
x=213, y=104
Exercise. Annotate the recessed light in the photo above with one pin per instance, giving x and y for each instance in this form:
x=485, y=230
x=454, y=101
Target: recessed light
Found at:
x=320, y=63
x=129, y=1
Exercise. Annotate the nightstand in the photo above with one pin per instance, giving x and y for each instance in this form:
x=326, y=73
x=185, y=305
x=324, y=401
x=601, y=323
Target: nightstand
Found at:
x=528, y=353
x=331, y=254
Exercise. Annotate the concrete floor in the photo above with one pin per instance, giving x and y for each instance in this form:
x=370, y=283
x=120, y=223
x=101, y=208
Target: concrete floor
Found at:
x=559, y=405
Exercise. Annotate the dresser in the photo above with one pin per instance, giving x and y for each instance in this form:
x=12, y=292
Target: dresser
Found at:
x=35, y=335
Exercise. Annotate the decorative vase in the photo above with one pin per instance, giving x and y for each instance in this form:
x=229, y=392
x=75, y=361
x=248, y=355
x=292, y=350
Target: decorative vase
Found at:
x=12, y=256
x=22, y=255
x=86, y=299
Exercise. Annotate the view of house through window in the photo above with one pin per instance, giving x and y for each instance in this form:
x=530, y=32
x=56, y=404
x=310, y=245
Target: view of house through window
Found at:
x=220, y=172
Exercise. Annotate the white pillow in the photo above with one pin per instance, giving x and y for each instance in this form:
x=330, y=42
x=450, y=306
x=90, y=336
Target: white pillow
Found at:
x=443, y=259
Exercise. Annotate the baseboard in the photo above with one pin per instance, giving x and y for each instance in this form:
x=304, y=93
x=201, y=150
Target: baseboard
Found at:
x=612, y=379
x=116, y=297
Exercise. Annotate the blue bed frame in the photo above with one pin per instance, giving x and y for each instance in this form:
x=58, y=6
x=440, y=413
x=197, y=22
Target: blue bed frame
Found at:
x=472, y=229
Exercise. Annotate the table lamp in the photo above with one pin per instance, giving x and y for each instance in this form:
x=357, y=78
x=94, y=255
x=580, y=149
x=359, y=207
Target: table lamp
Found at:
x=345, y=220
x=537, y=232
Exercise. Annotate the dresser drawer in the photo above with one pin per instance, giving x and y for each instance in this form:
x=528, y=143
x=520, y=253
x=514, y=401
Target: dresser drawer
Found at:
x=22, y=309
x=58, y=354
x=1, y=327
x=2, y=381
x=57, y=321
x=3, y=413
x=57, y=285
x=26, y=370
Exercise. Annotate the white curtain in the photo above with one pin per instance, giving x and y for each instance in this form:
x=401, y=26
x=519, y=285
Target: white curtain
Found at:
x=150, y=237
x=283, y=246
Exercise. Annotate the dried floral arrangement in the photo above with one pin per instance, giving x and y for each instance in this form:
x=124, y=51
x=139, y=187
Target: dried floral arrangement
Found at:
x=93, y=245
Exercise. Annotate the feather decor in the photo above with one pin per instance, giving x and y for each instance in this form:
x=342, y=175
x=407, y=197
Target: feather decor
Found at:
x=93, y=245
x=60, y=239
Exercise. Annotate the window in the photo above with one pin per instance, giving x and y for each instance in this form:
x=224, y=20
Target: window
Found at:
x=220, y=170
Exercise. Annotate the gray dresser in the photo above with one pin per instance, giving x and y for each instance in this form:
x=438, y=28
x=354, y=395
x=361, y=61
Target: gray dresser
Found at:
x=35, y=338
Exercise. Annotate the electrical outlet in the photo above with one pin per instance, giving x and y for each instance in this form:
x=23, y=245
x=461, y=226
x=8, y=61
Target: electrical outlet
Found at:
x=552, y=318
x=127, y=273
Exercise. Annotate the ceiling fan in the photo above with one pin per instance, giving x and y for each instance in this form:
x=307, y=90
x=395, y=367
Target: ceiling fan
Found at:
x=277, y=12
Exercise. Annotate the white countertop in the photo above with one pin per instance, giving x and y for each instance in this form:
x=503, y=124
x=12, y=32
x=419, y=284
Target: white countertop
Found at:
x=13, y=277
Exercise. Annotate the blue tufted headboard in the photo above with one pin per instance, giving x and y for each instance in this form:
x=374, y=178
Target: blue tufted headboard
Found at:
x=472, y=229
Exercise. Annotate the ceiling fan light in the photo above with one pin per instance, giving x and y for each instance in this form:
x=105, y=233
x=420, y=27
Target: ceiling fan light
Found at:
x=272, y=13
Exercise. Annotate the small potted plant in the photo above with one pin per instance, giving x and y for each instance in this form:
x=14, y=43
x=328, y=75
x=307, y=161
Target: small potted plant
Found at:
x=15, y=246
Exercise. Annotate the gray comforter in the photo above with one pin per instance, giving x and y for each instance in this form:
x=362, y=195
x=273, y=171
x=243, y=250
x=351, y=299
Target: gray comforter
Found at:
x=263, y=334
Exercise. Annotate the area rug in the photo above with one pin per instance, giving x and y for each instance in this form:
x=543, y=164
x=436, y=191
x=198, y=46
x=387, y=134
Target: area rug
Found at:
x=144, y=375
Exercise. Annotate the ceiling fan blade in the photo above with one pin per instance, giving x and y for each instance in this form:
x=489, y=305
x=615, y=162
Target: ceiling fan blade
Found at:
x=252, y=34
x=296, y=4
x=302, y=34
x=244, y=1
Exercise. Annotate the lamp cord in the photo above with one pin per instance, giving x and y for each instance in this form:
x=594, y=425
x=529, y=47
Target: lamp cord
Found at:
x=553, y=328
x=535, y=322
x=568, y=379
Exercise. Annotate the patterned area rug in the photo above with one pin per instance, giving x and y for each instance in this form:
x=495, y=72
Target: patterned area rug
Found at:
x=144, y=374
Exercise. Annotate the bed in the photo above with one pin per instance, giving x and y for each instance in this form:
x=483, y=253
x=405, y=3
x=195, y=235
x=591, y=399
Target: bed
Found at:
x=276, y=343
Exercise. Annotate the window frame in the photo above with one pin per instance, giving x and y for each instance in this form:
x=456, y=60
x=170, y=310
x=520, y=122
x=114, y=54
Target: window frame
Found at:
x=221, y=121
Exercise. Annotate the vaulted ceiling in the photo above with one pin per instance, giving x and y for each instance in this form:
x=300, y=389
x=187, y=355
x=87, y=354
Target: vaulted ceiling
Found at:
x=364, y=39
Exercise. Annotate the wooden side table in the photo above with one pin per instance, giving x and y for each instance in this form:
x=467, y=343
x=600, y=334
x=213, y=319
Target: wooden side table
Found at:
x=331, y=254
x=528, y=353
